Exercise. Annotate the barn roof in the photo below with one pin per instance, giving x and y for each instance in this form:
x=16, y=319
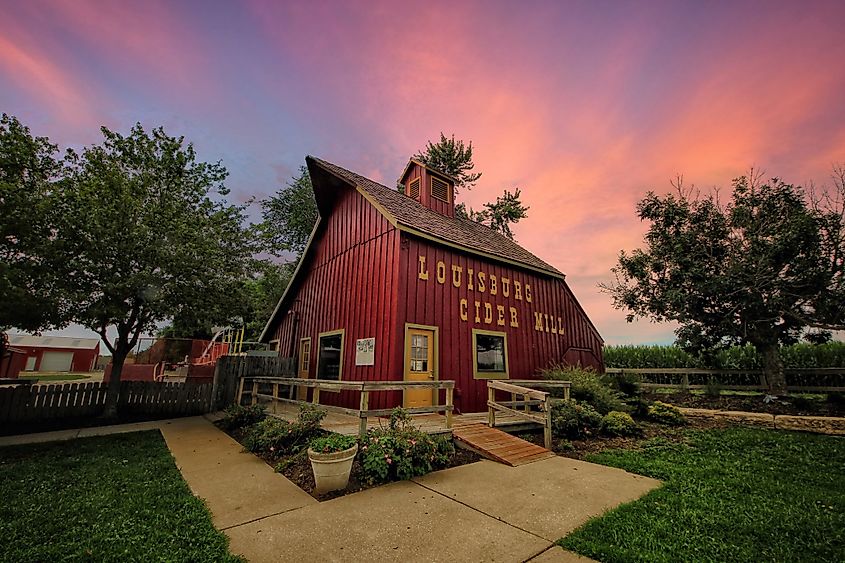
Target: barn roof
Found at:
x=418, y=219
x=31, y=341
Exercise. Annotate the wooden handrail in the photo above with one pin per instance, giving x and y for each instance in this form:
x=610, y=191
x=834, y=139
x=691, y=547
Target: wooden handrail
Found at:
x=364, y=387
x=529, y=396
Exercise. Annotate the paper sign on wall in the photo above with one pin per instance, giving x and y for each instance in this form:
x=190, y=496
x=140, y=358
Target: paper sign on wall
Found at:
x=365, y=349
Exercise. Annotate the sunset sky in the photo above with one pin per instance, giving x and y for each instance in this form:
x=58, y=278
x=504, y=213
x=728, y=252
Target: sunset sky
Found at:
x=583, y=105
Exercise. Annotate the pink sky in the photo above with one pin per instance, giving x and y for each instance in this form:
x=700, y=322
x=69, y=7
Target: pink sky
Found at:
x=583, y=105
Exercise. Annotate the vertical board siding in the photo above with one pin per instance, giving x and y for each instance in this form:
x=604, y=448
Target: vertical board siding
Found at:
x=349, y=281
x=431, y=303
x=361, y=275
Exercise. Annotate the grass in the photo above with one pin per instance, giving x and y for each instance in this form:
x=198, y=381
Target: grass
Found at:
x=111, y=498
x=734, y=494
x=54, y=376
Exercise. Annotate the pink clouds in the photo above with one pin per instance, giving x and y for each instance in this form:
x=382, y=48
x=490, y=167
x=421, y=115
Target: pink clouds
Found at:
x=585, y=106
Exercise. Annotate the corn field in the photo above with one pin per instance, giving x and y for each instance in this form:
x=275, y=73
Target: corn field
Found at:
x=830, y=355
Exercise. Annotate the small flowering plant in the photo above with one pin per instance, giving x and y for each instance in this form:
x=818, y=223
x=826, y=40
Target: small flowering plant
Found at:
x=400, y=451
x=332, y=443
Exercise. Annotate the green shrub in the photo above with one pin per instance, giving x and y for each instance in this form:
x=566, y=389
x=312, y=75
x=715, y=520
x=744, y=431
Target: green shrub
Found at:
x=628, y=384
x=588, y=387
x=713, y=388
x=638, y=406
x=836, y=398
x=619, y=424
x=237, y=416
x=332, y=442
x=401, y=451
x=666, y=414
x=573, y=420
x=280, y=437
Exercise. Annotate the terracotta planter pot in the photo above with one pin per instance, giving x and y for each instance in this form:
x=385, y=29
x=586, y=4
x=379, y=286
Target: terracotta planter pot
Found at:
x=331, y=470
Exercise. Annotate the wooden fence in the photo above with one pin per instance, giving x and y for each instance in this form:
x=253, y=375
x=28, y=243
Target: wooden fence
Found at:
x=231, y=370
x=811, y=380
x=252, y=386
x=37, y=403
x=530, y=397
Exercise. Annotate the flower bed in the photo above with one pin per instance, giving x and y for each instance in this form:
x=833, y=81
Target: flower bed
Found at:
x=393, y=452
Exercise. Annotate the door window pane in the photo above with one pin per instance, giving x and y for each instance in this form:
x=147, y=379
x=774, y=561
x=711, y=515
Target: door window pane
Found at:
x=419, y=352
x=490, y=353
x=329, y=358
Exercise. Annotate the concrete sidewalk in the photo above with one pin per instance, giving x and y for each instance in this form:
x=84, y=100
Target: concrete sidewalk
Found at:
x=483, y=511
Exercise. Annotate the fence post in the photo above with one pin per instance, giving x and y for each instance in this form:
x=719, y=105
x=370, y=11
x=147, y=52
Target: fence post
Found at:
x=315, y=396
x=547, y=427
x=215, y=386
x=449, y=406
x=365, y=406
x=685, y=382
x=240, y=390
x=491, y=413
x=275, y=396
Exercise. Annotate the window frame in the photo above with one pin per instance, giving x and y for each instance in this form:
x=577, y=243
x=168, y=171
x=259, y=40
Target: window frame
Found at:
x=302, y=356
x=320, y=336
x=489, y=374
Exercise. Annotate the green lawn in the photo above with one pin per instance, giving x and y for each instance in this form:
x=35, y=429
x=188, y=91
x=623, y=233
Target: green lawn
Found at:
x=736, y=494
x=111, y=498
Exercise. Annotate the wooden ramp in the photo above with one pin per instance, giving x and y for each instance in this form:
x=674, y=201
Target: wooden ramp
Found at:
x=499, y=446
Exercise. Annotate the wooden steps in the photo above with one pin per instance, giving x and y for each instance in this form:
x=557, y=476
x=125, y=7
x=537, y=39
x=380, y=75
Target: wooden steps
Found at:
x=499, y=446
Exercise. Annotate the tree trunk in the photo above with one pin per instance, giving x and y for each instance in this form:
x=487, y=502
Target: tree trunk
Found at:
x=113, y=392
x=773, y=369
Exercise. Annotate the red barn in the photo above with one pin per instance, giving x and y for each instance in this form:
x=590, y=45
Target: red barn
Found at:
x=57, y=353
x=394, y=286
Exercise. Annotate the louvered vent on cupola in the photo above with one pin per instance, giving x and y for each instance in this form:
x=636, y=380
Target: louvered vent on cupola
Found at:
x=414, y=189
x=439, y=189
x=431, y=188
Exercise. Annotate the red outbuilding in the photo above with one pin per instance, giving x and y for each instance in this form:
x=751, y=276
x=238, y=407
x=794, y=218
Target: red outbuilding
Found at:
x=57, y=353
x=395, y=286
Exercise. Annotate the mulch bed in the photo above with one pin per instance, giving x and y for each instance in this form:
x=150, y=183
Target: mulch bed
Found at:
x=754, y=403
x=579, y=449
x=297, y=468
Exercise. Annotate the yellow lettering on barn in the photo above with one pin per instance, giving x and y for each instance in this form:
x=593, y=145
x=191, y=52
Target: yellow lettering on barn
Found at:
x=423, y=270
x=469, y=279
x=441, y=272
x=456, y=275
x=517, y=290
x=463, y=308
x=528, y=292
x=481, y=279
x=506, y=287
x=488, y=313
x=514, y=318
x=560, y=326
x=538, y=321
x=501, y=310
x=492, y=284
x=477, y=312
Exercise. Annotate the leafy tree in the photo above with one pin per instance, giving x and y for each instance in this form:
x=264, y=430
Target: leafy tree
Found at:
x=262, y=292
x=144, y=235
x=289, y=216
x=499, y=215
x=29, y=296
x=454, y=158
x=451, y=157
x=758, y=269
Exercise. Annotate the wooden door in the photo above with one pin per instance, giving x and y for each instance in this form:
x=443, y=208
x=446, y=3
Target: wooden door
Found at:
x=304, y=365
x=419, y=366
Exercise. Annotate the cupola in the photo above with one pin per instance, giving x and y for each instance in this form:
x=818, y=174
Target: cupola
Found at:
x=430, y=188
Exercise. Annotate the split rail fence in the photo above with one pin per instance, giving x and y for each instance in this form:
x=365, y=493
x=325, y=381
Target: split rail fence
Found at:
x=807, y=380
x=290, y=386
